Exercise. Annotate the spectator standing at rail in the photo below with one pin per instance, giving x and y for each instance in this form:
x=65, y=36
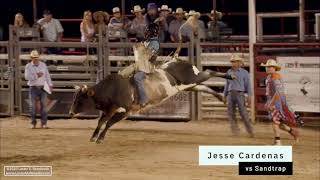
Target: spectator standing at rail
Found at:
x=87, y=27
x=193, y=27
x=152, y=13
x=234, y=93
x=39, y=82
x=279, y=111
x=102, y=19
x=52, y=30
x=117, y=22
x=164, y=20
x=215, y=25
x=138, y=24
x=167, y=12
x=19, y=21
x=215, y=17
x=175, y=24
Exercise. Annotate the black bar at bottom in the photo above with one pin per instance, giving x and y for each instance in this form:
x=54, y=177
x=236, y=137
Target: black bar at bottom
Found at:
x=265, y=168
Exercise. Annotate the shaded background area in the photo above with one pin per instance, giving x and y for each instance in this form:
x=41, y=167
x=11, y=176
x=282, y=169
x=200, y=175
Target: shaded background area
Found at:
x=235, y=10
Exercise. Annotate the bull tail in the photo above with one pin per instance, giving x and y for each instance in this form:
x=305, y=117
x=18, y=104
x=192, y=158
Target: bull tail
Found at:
x=177, y=52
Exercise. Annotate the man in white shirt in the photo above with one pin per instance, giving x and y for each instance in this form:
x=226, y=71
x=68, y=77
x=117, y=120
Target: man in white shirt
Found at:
x=51, y=28
x=39, y=82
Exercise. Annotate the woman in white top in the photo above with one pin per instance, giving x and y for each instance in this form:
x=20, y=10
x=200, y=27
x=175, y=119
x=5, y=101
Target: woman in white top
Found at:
x=87, y=27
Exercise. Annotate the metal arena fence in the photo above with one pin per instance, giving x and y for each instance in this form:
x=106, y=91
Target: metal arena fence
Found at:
x=81, y=63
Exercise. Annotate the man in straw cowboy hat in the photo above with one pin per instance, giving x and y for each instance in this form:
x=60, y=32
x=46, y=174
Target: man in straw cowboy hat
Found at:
x=175, y=24
x=102, y=19
x=165, y=12
x=193, y=26
x=215, y=24
x=138, y=24
x=163, y=22
x=279, y=111
x=39, y=82
x=234, y=92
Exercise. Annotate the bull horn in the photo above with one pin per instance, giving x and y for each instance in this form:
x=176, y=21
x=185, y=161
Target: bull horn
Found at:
x=76, y=87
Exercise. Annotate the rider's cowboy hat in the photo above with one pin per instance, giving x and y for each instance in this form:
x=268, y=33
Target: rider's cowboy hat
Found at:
x=272, y=63
x=165, y=8
x=193, y=13
x=215, y=13
x=137, y=8
x=236, y=57
x=34, y=54
x=101, y=13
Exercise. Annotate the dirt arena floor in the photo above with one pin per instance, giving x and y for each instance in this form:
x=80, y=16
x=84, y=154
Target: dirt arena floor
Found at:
x=141, y=150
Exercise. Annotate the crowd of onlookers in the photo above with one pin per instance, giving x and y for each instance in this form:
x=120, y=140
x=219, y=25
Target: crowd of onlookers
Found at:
x=170, y=22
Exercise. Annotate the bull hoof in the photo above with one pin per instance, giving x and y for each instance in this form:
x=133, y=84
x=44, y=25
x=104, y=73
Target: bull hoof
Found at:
x=93, y=139
x=99, y=141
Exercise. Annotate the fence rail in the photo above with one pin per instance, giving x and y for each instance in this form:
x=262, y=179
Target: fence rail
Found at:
x=69, y=70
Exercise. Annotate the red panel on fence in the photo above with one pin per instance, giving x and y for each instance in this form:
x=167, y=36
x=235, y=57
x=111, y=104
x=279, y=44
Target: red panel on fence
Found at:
x=259, y=84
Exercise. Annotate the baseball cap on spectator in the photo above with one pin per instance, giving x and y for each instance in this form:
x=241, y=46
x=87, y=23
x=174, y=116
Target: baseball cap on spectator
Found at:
x=152, y=6
x=165, y=8
x=137, y=8
x=115, y=10
x=47, y=12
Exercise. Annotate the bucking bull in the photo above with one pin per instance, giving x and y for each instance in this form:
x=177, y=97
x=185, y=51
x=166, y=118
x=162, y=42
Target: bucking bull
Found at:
x=115, y=95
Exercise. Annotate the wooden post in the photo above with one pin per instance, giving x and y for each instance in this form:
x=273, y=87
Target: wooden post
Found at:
x=34, y=8
x=123, y=7
x=317, y=16
x=259, y=28
x=106, y=48
x=10, y=50
x=193, y=96
x=214, y=4
x=100, y=54
x=199, y=66
x=18, y=89
x=252, y=41
x=301, y=21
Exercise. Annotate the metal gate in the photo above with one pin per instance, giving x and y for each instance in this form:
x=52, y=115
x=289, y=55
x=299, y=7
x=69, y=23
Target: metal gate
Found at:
x=6, y=81
x=65, y=70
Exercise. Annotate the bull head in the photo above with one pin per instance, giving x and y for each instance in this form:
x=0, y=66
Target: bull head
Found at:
x=80, y=99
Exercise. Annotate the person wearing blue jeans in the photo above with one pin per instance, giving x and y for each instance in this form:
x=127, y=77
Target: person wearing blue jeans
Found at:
x=38, y=77
x=138, y=79
x=152, y=43
x=234, y=93
x=35, y=93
